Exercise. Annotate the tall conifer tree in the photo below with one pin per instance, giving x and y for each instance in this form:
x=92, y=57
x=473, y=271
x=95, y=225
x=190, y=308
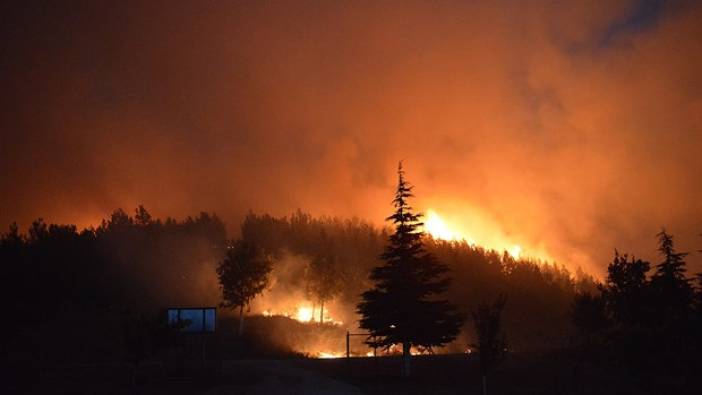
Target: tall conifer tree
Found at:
x=672, y=288
x=403, y=307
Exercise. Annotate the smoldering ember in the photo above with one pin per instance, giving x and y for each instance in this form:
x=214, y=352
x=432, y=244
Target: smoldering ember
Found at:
x=315, y=197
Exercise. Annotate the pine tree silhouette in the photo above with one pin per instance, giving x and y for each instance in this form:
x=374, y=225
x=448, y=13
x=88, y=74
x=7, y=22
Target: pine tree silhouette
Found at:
x=402, y=308
x=672, y=290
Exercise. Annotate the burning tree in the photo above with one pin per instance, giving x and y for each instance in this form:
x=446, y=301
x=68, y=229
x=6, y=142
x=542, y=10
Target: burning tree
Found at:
x=243, y=274
x=402, y=308
x=323, y=281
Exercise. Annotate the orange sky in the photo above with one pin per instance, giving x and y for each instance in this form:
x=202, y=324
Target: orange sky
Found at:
x=568, y=128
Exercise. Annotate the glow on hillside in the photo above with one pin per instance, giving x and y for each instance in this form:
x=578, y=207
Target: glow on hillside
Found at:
x=435, y=226
x=304, y=314
x=439, y=228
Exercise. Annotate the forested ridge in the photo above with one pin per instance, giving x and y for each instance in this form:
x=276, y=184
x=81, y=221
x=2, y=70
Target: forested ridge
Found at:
x=78, y=285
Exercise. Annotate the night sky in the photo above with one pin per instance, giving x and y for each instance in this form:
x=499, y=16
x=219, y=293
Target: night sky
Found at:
x=570, y=128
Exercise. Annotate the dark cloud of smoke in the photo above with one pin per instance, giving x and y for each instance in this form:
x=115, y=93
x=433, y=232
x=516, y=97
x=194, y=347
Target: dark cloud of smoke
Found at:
x=570, y=128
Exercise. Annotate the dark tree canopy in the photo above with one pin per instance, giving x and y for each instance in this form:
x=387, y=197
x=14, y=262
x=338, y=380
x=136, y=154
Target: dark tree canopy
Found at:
x=673, y=293
x=243, y=274
x=402, y=308
x=626, y=289
x=640, y=319
x=73, y=289
x=491, y=341
x=589, y=313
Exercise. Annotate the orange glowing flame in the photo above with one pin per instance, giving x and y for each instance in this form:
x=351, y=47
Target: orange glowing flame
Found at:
x=304, y=314
x=332, y=354
x=515, y=251
x=329, y=355
x=438, y=228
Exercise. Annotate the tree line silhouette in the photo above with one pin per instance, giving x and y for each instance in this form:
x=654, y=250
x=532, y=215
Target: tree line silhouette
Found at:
x=72, y=287
x=643, y=317
x=139, y=264
x=75, y=294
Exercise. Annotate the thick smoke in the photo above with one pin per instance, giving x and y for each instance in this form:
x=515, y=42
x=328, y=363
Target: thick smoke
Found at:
x=571, y=128
x=286, y=296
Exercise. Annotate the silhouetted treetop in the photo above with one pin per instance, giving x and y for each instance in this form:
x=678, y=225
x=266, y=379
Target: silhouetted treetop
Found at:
x=672, y=290
x=673, y=265
x=402, y=307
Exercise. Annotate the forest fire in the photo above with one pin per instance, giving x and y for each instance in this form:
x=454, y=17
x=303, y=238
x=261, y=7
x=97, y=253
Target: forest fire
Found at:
x=507, y=190
x=329, y=355
x=393, y=350
x=304, y=313
x=438, y=228
x=333, y=355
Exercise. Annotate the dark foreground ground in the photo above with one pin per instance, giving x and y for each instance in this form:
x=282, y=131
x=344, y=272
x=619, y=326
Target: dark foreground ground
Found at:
x=441, y=374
